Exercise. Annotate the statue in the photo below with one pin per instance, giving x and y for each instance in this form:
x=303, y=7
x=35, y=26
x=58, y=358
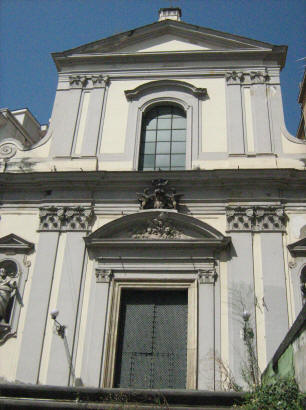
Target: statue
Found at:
x=159, y=196
x=8, y=287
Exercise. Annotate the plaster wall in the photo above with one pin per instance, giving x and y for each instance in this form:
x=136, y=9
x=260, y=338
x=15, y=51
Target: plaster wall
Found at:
x=164, y=43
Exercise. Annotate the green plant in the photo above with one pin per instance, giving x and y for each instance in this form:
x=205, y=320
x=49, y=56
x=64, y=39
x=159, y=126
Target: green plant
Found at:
x=281, y=394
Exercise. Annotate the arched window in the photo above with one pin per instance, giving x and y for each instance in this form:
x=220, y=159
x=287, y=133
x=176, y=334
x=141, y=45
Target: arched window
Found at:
x=163, y=139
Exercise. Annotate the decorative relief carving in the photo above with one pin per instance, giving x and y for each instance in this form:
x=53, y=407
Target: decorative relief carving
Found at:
x=8, y=150
x=234, y=77
x=207, y=276
x=82, y=81
x=100, y=80
x=255, y=218
x=159, y=228
x=159, y=196
x=65, y=218
x=104, y=275
x=78, y=81
x=252, y=77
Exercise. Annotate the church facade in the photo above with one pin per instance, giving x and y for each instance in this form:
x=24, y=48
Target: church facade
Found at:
x=163, y=208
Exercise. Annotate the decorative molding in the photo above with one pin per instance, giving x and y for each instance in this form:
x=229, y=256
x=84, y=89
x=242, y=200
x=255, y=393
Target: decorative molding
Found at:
x=65, y=218
x=160, y=228
x=100, y=80
x=256, y=218
x=208, y=276
x=159, y=196
x=12, y=244
x=104, y=275
x=292, y=264
x=135, y=94
x=234, y=77
x=7, y=150
x=252, y=77
x=78, y=81
x=83, y=81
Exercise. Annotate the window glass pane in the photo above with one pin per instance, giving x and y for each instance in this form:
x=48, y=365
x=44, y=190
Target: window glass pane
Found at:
x=162, y=161
x=149, y=148
x=163, y=138
x=164, y=111
x=148, y=161
x=178, y=148
x=178, y=112
x=151, y=124
x=150, y=135
x=179, y=123
x=178, y=160
x=163, y=148
x=164, y=123
x=164, y=135
x=178, y=135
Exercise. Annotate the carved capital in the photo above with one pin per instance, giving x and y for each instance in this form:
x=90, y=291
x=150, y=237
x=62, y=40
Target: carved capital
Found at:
x=65, y=218
x=234, y=77
x=100, y=80
x=252, y=77
x=78, y=81
x=239, y=219
x=200, y=92
x=50, y=218
x=208, y=276
x=256, y=218
x=259, y=77
x=270, y=219
x=77, y=219
x=104, y=275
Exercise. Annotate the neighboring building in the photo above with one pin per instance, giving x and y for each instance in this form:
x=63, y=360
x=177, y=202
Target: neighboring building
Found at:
x=301, y=133
x=157, y=208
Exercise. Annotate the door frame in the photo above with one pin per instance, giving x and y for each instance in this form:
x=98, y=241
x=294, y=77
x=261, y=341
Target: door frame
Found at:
x=117, y=286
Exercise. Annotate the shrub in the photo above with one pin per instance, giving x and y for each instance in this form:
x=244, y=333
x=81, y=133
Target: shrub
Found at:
x=281, y=394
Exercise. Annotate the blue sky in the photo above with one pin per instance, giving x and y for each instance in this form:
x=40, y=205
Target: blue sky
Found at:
x=31, y=29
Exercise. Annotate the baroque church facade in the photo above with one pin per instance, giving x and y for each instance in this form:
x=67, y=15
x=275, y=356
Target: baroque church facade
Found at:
x=164, y=203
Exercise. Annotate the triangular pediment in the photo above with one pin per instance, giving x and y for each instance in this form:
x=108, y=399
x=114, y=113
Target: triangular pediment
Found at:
x=156, y=226
x=169, y=36
x=298, y=248
x=13, y=243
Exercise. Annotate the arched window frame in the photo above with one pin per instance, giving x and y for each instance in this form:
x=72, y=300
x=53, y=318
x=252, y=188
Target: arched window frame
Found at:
x=165, y=92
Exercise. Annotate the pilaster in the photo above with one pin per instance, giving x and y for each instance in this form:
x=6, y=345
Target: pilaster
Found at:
x=207, y=322
x=92, y=358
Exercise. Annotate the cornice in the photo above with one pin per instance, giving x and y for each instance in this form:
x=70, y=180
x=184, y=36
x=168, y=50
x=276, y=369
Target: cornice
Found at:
x=65, y=62
x=280, y=178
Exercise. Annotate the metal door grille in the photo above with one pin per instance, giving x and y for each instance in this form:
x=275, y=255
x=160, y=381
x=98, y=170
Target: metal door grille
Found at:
x=152, y=339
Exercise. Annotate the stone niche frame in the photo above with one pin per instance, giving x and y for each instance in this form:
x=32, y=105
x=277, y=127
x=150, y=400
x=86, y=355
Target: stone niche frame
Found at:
x=183, y=255
x=15, y=249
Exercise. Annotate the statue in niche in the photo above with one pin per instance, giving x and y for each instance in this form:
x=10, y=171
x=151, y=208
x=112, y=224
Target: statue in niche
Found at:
x=8, y=287
x=159, y=196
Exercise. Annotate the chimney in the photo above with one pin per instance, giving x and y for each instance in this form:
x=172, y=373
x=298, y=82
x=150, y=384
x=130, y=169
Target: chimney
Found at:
x=170, y=14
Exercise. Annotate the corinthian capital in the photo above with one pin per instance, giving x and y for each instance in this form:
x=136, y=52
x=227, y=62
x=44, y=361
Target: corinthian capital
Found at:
x=208, y=276
x=65, y=218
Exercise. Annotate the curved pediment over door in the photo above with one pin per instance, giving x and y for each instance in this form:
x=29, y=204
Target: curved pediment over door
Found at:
x=157, y=229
